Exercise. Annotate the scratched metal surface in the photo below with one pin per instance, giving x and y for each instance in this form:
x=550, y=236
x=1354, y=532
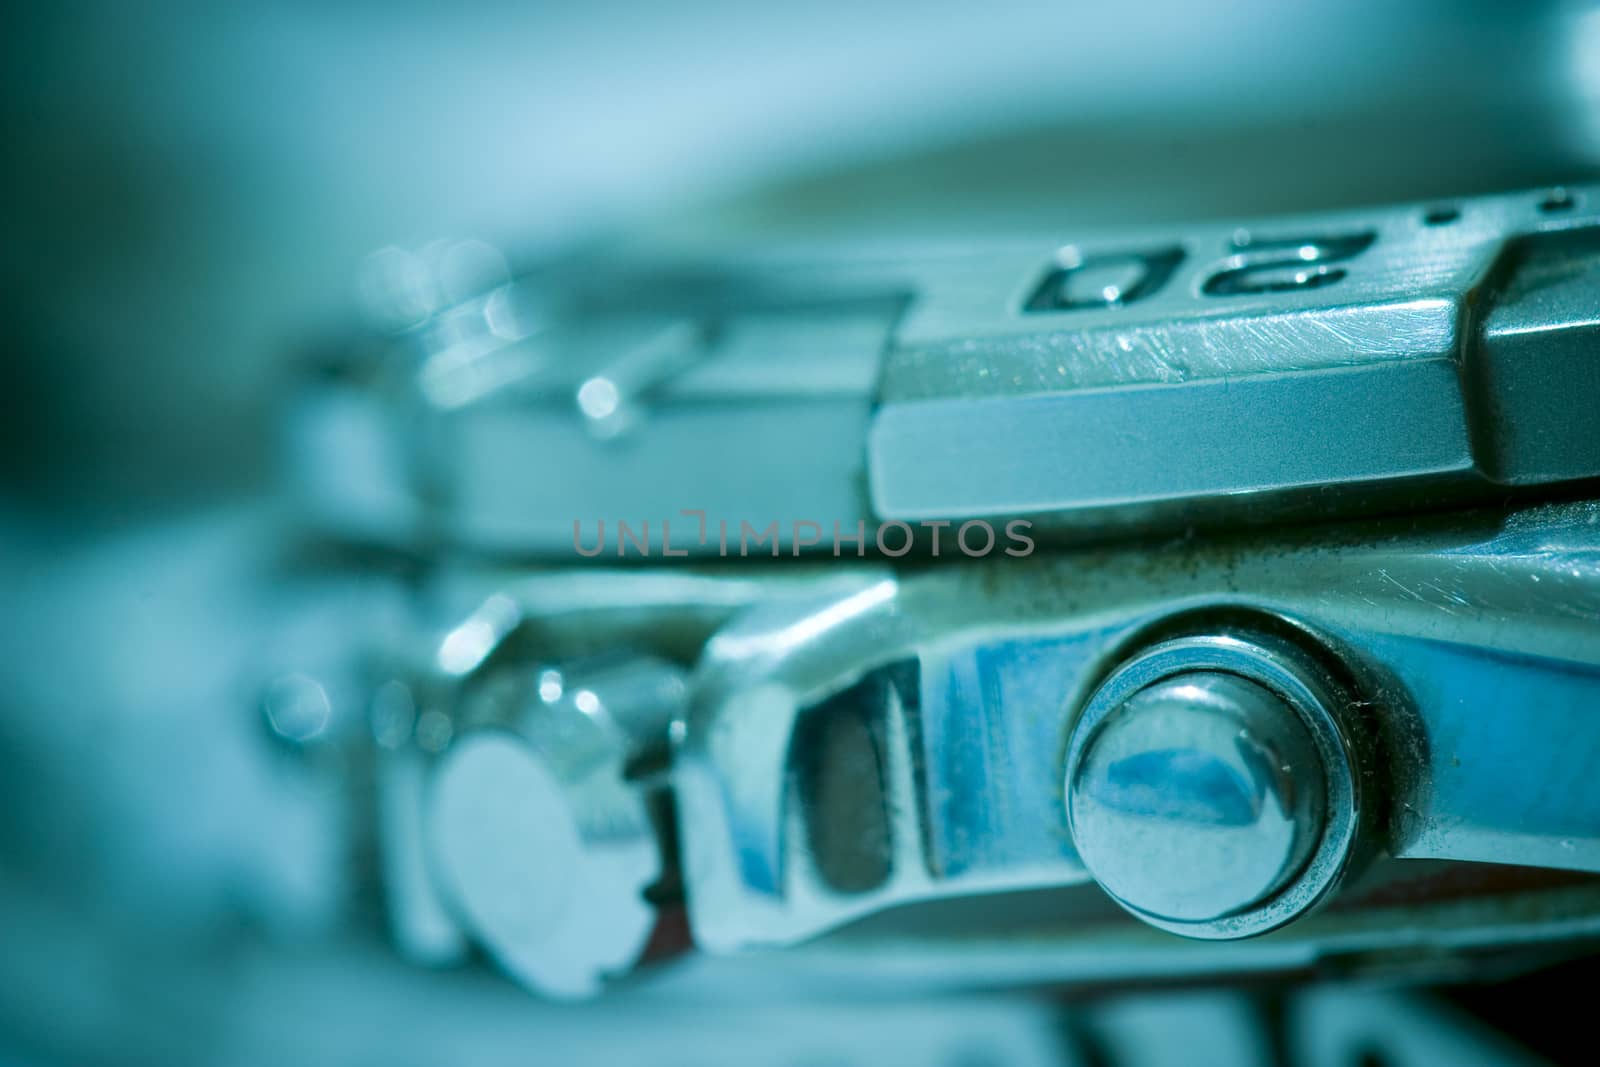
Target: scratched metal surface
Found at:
x=1452, y=624
x=968, y=334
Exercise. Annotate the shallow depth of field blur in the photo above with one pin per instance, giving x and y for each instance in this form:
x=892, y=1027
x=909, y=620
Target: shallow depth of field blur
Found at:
x=193, y=188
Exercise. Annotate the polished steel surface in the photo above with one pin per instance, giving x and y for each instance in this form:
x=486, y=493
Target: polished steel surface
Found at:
x=1204, y=773
x=518, y=760
x=537, y=839
x=965, y=679
x=586, y=394
x=1341, y=337
x=1297, y=467
x=1311, y=366
x=858, y=736
x=1253, y=784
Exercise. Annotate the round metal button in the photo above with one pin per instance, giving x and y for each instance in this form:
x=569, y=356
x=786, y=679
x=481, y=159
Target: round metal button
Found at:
x=1210, y=784
x=1198, y=797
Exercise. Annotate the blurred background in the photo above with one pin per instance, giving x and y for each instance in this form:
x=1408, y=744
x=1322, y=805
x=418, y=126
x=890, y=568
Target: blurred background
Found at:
x=194, y=185
x=193, y=188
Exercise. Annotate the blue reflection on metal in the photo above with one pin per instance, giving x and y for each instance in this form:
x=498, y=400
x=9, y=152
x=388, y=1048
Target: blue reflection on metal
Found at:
x=992, y=727
x=1181, y=785
x=1495, y=775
